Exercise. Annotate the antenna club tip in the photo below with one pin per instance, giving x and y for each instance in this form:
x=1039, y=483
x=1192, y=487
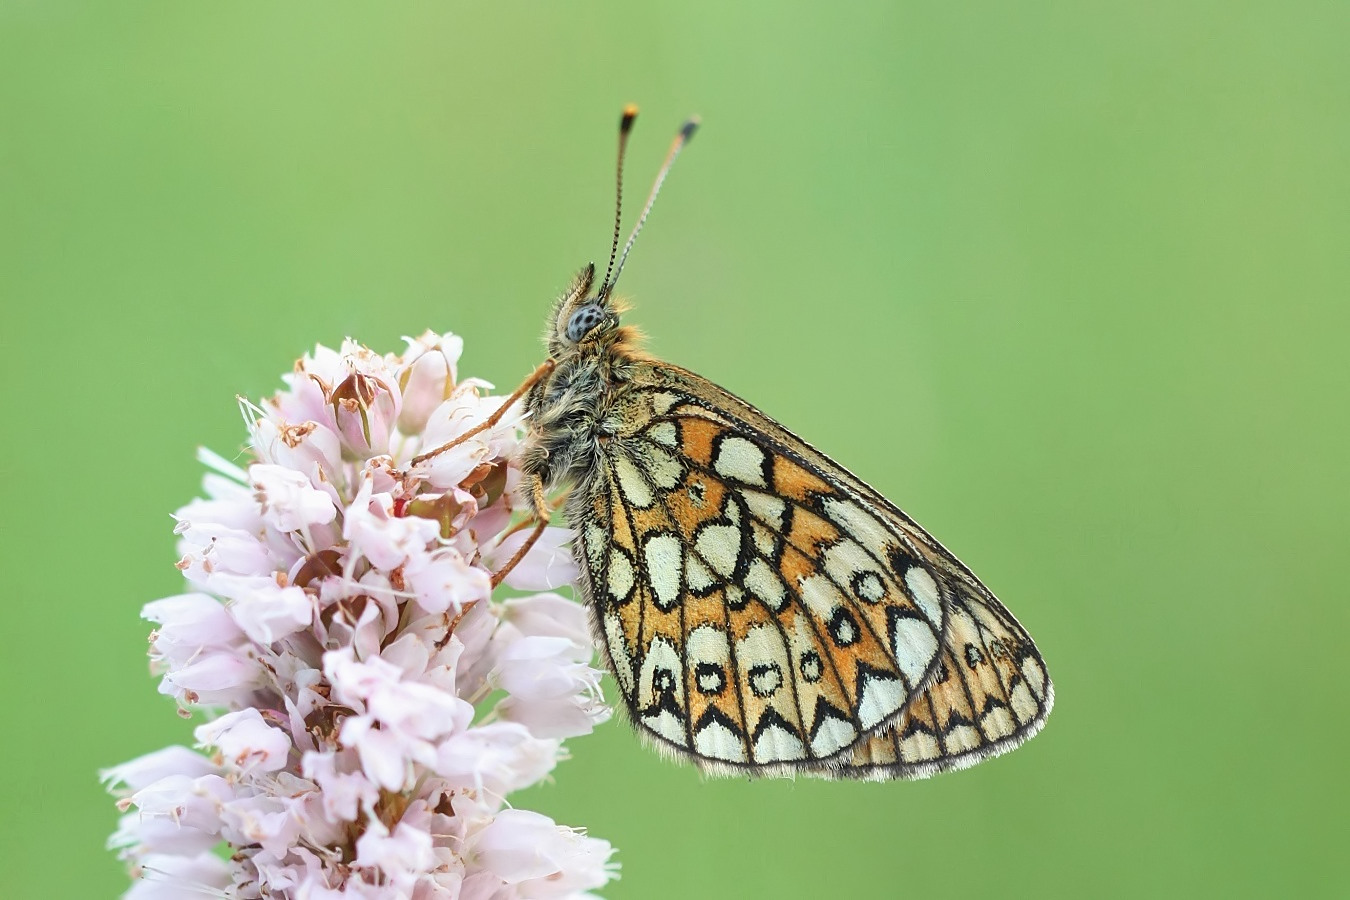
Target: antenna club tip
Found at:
x=629, y=114
x=687, y=131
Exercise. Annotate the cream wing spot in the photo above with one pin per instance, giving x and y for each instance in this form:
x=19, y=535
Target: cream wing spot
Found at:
x=776, y=744
x=767, y=508
x=764, y=582
x=1024, y=706
x=665, y=434
x=716, y=741
x=762, y=646
x=619, y=651
x=594, y=539
x=708, y=656
x=635, y=489
x=852, y=518
x=661, y=468
x=820, y=596
x=697, y=576
x=732, y=511
x=740, y=460
x=620, y=576
x=663, y=402
x=666, y=724
x=664, y=556
x=881, y=698
x=914, y=644
x=925, y=592
x=720, y=546
x=845, y=560
x=1034, y=675
x=962, y=738
x=998, y=723
x=766, y=542
x=832, y=735
x=708, y=643
x=919, y=746
x=658, y=675
x=735, y=596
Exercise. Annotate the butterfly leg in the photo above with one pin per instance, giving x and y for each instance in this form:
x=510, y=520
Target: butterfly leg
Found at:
x=544, y=369
x=541, y=512
x=453, y=621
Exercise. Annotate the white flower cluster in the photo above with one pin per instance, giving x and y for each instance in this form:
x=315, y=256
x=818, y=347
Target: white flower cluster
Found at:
x=373, y=704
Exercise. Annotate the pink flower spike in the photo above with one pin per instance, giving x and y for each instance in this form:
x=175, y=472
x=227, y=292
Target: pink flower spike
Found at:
x=173, y=877
x=536, y=668
x=246, y=741
x=427, y=377
x=271, y=613
x=548, y=565
x=381, y=536
x=138, y=836
x=446, y=582
x=213, y=678
x=524, y=847
x=146, y=770
x=365, y=408
x=548, y=615
x=341, y=632
x=189, y=624
x=289, y=502
x=402, y=856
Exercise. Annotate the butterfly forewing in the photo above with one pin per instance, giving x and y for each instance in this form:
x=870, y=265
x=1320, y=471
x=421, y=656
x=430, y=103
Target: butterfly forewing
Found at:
x=758, y=608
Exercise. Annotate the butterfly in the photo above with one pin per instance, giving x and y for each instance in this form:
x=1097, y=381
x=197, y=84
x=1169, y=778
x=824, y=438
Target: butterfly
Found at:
x=762, y=610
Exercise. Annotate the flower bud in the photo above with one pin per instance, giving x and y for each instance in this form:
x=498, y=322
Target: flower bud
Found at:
x=427, y=377
x=365, y=409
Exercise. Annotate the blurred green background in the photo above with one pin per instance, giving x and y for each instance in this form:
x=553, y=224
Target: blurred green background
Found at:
x=1068, y=281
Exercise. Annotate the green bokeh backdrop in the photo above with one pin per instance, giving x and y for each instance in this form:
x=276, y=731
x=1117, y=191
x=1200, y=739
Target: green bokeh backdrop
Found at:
x=1066, y=280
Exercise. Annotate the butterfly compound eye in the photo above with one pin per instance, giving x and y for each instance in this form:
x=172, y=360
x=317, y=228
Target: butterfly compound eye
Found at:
x=583, y=320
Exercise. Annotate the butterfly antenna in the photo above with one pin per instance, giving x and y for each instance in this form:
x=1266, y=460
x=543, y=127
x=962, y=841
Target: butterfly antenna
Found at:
x=625, y=125
x=686, y=132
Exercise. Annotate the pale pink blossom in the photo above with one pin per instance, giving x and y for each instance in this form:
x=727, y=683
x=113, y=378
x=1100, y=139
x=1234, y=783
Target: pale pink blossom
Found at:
x=527, y=850
x=339, y=631
x=427, y=378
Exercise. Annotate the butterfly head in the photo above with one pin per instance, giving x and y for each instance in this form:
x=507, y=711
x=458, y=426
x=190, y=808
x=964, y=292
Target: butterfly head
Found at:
x=586, y=319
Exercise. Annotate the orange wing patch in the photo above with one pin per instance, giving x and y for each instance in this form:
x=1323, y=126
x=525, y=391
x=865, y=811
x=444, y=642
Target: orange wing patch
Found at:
x=796, y=483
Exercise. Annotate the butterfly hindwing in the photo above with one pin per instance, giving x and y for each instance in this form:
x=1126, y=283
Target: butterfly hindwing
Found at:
x=989, y=695
x=761, y=608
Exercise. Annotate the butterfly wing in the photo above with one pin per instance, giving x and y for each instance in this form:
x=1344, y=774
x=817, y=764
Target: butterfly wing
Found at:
x=761, y=607
x=989, y=695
